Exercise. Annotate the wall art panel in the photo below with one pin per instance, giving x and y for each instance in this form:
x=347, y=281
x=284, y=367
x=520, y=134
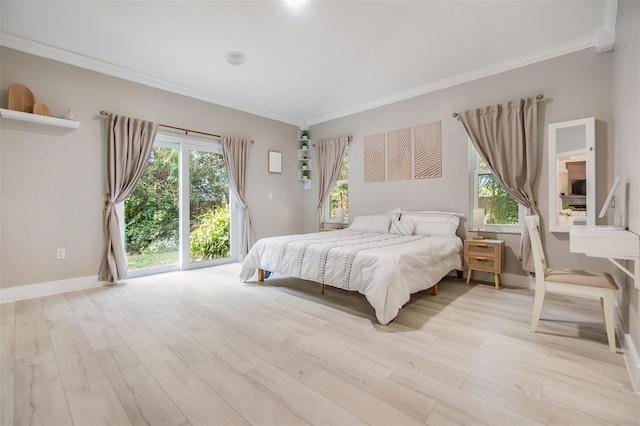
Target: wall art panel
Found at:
x=374, y=158
x=399, y=154
x=427, y=150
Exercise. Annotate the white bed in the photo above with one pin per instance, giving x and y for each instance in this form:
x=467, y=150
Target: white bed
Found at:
x=386, y=267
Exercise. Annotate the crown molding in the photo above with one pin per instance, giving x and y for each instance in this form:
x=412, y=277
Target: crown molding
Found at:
x=606, y=35
x=81, y=61
x=486, y=71
x=50, y=52
x=609, y=16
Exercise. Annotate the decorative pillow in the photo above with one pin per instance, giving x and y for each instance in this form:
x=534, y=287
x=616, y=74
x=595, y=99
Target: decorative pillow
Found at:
x=395, y=213
x=402, y=227
x=380, y=224
x=438, y=224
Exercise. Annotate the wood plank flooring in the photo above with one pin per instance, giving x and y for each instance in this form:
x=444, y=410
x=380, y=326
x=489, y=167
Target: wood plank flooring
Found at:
x=201, y=348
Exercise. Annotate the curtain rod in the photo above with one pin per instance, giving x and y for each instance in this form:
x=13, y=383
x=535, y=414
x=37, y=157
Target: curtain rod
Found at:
x=349, y=139
x=538, y=98
x=186, y=131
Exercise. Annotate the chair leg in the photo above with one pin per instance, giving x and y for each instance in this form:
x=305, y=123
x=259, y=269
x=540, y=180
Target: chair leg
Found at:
x=537, y=310
x=607, y=307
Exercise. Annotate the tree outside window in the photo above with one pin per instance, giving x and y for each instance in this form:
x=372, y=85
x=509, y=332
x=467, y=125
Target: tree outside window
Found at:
x=340, y=194
x=502, y=211
x=500, y=207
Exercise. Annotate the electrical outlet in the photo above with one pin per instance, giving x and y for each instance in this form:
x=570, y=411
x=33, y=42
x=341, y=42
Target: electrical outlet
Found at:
x=60, y=253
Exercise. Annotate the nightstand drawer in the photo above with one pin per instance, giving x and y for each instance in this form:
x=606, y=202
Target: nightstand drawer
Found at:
x=483, y=249
x=484, y=263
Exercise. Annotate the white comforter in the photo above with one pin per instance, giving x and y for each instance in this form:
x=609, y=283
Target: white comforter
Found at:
x=386, y=268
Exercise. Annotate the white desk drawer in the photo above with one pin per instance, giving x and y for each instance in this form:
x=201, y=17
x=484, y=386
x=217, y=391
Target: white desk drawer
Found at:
x=613, y=244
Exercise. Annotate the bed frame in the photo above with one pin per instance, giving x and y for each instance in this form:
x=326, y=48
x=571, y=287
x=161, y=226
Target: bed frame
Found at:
x=434, y=289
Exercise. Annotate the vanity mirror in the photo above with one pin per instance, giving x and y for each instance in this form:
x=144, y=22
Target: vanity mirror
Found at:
x=572, y=175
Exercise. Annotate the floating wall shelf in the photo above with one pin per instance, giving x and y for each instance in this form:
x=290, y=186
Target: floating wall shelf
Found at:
x=40, y=119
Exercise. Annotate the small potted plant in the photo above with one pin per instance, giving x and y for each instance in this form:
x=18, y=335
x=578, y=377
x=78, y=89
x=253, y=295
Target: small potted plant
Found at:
x=305, y=166
x=304, y=145
x=304, y=134
x=305, y=174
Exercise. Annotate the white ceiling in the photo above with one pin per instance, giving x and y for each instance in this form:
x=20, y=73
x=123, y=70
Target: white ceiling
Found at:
x=311, y=63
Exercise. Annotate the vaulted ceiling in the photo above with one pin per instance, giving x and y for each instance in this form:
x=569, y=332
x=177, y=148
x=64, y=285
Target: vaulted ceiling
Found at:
x=306, y=63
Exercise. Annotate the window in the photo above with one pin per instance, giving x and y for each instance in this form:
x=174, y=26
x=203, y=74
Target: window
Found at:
x=339, y=197
x=502, y=212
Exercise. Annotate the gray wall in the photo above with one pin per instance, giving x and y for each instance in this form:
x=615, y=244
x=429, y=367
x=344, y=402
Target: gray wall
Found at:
x=626, y=95
x=575, y=86
x=52, y=183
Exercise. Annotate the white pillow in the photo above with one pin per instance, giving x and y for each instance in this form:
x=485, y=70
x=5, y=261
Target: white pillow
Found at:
x=371, y=223
x=402, y=227
x=380, y=224
x=360, y=223
x=438, y=224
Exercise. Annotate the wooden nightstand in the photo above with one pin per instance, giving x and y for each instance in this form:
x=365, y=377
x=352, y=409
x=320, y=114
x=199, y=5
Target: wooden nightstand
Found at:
x=485, y=256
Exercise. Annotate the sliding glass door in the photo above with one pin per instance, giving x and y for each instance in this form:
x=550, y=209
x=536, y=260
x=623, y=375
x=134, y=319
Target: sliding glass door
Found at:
x=179, y=216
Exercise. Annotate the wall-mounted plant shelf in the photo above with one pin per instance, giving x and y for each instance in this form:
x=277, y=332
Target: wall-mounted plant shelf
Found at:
x=40, y=119
x=304, y=158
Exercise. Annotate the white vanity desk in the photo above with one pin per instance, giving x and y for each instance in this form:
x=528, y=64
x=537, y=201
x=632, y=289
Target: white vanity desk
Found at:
x=597, y=242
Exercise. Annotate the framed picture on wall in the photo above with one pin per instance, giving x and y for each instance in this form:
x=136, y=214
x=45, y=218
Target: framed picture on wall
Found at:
x=274, y=162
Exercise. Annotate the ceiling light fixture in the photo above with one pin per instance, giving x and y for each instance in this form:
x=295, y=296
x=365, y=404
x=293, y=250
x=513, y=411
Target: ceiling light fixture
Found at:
x=235, y=58
x=295, y=3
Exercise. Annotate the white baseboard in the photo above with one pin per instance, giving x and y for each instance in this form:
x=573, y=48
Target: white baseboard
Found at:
x=629, y=351
x=518, y=280
x=30, y=291
x=507, y=279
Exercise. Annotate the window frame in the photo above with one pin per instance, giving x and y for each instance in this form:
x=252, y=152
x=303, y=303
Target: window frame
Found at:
x=474, y=173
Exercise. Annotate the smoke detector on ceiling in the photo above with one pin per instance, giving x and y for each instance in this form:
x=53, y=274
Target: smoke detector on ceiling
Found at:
x=235, y=58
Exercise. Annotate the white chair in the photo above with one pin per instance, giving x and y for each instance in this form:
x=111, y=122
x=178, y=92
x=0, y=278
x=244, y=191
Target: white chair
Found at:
x=569, y=281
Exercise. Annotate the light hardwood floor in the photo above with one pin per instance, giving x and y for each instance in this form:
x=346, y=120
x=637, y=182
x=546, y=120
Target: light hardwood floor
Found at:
x=199, y=347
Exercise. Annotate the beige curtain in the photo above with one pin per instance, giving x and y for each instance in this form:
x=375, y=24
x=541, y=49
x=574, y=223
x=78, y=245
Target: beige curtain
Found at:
x=236, y=156
x=505, y=135
x=329, y=154
x=129, y=143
